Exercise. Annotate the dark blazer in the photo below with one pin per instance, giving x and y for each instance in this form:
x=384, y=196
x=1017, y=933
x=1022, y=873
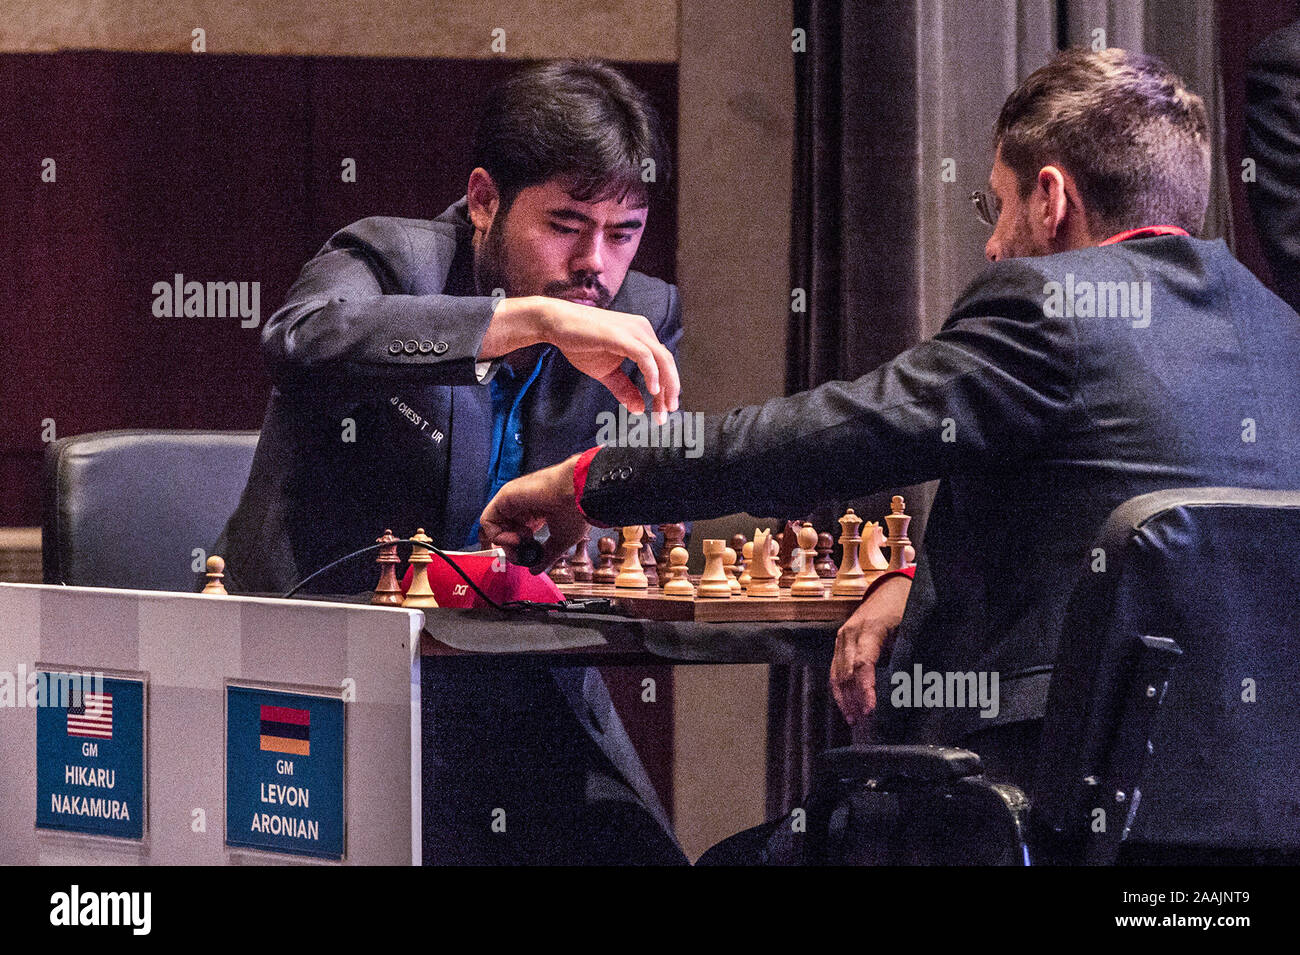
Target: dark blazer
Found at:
x=1273, y=141
x=1038, y=426
x=377, y=420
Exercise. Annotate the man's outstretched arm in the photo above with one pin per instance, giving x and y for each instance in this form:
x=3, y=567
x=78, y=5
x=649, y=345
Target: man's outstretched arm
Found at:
x=995, y=386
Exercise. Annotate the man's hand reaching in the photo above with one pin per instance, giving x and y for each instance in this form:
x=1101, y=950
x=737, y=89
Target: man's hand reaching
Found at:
x=520, y=508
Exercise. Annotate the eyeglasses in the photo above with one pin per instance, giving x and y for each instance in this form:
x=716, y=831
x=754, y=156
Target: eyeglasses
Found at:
x=987, y=207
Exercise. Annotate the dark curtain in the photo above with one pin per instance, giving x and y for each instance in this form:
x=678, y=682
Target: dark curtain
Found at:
x=853, y=250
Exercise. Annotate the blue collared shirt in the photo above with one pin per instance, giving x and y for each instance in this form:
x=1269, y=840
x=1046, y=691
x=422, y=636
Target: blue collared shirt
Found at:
x=507, y=459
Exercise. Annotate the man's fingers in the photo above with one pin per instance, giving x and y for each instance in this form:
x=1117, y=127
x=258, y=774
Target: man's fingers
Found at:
x=648, y=361
x=628, y=395
x=669, y=379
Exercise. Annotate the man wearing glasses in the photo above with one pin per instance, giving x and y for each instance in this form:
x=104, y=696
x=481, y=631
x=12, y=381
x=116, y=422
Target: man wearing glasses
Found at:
x=1105, y=353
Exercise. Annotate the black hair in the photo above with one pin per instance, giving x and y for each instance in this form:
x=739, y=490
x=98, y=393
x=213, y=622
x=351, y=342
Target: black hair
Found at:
x=578, y=120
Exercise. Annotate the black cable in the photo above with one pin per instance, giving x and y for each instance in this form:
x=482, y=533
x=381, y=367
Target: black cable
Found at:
x=507, y=606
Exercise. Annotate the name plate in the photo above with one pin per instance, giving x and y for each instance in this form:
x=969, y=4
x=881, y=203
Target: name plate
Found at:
x=90, y=754
x=284, y=772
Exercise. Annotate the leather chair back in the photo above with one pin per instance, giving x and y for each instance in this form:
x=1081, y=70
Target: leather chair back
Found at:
x=129, y=509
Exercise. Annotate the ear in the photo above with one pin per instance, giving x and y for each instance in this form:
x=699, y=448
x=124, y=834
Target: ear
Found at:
x=1050, y=190
x=484, y=199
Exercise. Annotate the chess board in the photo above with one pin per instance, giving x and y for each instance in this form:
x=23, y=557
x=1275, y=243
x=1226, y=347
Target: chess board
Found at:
x=652, y=604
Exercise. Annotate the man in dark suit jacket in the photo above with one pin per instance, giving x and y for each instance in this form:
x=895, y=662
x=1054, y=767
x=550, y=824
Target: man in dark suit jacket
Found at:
x=1104, y=354
x=418, y=366
x=1273, y=141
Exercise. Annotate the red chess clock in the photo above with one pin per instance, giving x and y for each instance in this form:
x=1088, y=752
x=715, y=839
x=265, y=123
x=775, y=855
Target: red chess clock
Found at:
x=498, y=579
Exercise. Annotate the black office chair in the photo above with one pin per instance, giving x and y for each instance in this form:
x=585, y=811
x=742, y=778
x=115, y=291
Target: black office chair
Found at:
x=130, y=508
x=1172, y=727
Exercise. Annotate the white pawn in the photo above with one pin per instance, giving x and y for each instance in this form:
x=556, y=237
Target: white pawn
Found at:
x=631, y=575
x=680, y=585
x=807, y=583
x=732, y=569
x=748, y=551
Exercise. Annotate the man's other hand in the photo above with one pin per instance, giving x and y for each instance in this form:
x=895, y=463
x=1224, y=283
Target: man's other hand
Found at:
x=596, y=341
x=863, y=643
x=520, y=508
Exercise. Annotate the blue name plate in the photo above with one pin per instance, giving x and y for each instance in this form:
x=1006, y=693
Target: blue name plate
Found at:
x=90, y=754
x=284, y=772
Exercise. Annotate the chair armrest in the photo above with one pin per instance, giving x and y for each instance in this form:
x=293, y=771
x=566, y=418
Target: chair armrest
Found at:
x=913, y=763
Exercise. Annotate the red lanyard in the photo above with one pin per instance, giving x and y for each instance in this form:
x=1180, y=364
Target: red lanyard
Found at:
x=1146, y=232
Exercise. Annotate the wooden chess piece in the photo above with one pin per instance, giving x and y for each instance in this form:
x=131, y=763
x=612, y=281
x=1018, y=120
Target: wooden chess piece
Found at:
x=420, y=594
x=680, y=585
x=789, y=541
x=762, y=569
x=897, y=541
x=808, y=583
x=870, y=556
x=674, y=535
x=387, y=592
x=581, y=563
x=732, y=571
x=748, y=554
x=631, y=575
x=605, y=572
x=850, y=581
x=738, y=545
x=216, y=569
x=561, y=572
x=649, y=566
x=825, y=564
x=714, y=581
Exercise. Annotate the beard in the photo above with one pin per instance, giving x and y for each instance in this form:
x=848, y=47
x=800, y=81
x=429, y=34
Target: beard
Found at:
x=492, y=271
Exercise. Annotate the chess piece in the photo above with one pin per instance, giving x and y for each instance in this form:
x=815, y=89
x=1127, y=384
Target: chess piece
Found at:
x=789, y=545
x=870, y=556
x=897, y=541
x=748, y=555
x=648, y=565
x=738, y=545
x=714, y=582
x=420, y=594
x=680, y=585
x=631, y=575
x=824, y=563
x=731, y=570
x=560, y=571
x=387, y=592
x=762, y=569
x=605, y=572
x=581, y=563
x=850, y=581
x=216, y=569
x=808, y=583
x=674, y=535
